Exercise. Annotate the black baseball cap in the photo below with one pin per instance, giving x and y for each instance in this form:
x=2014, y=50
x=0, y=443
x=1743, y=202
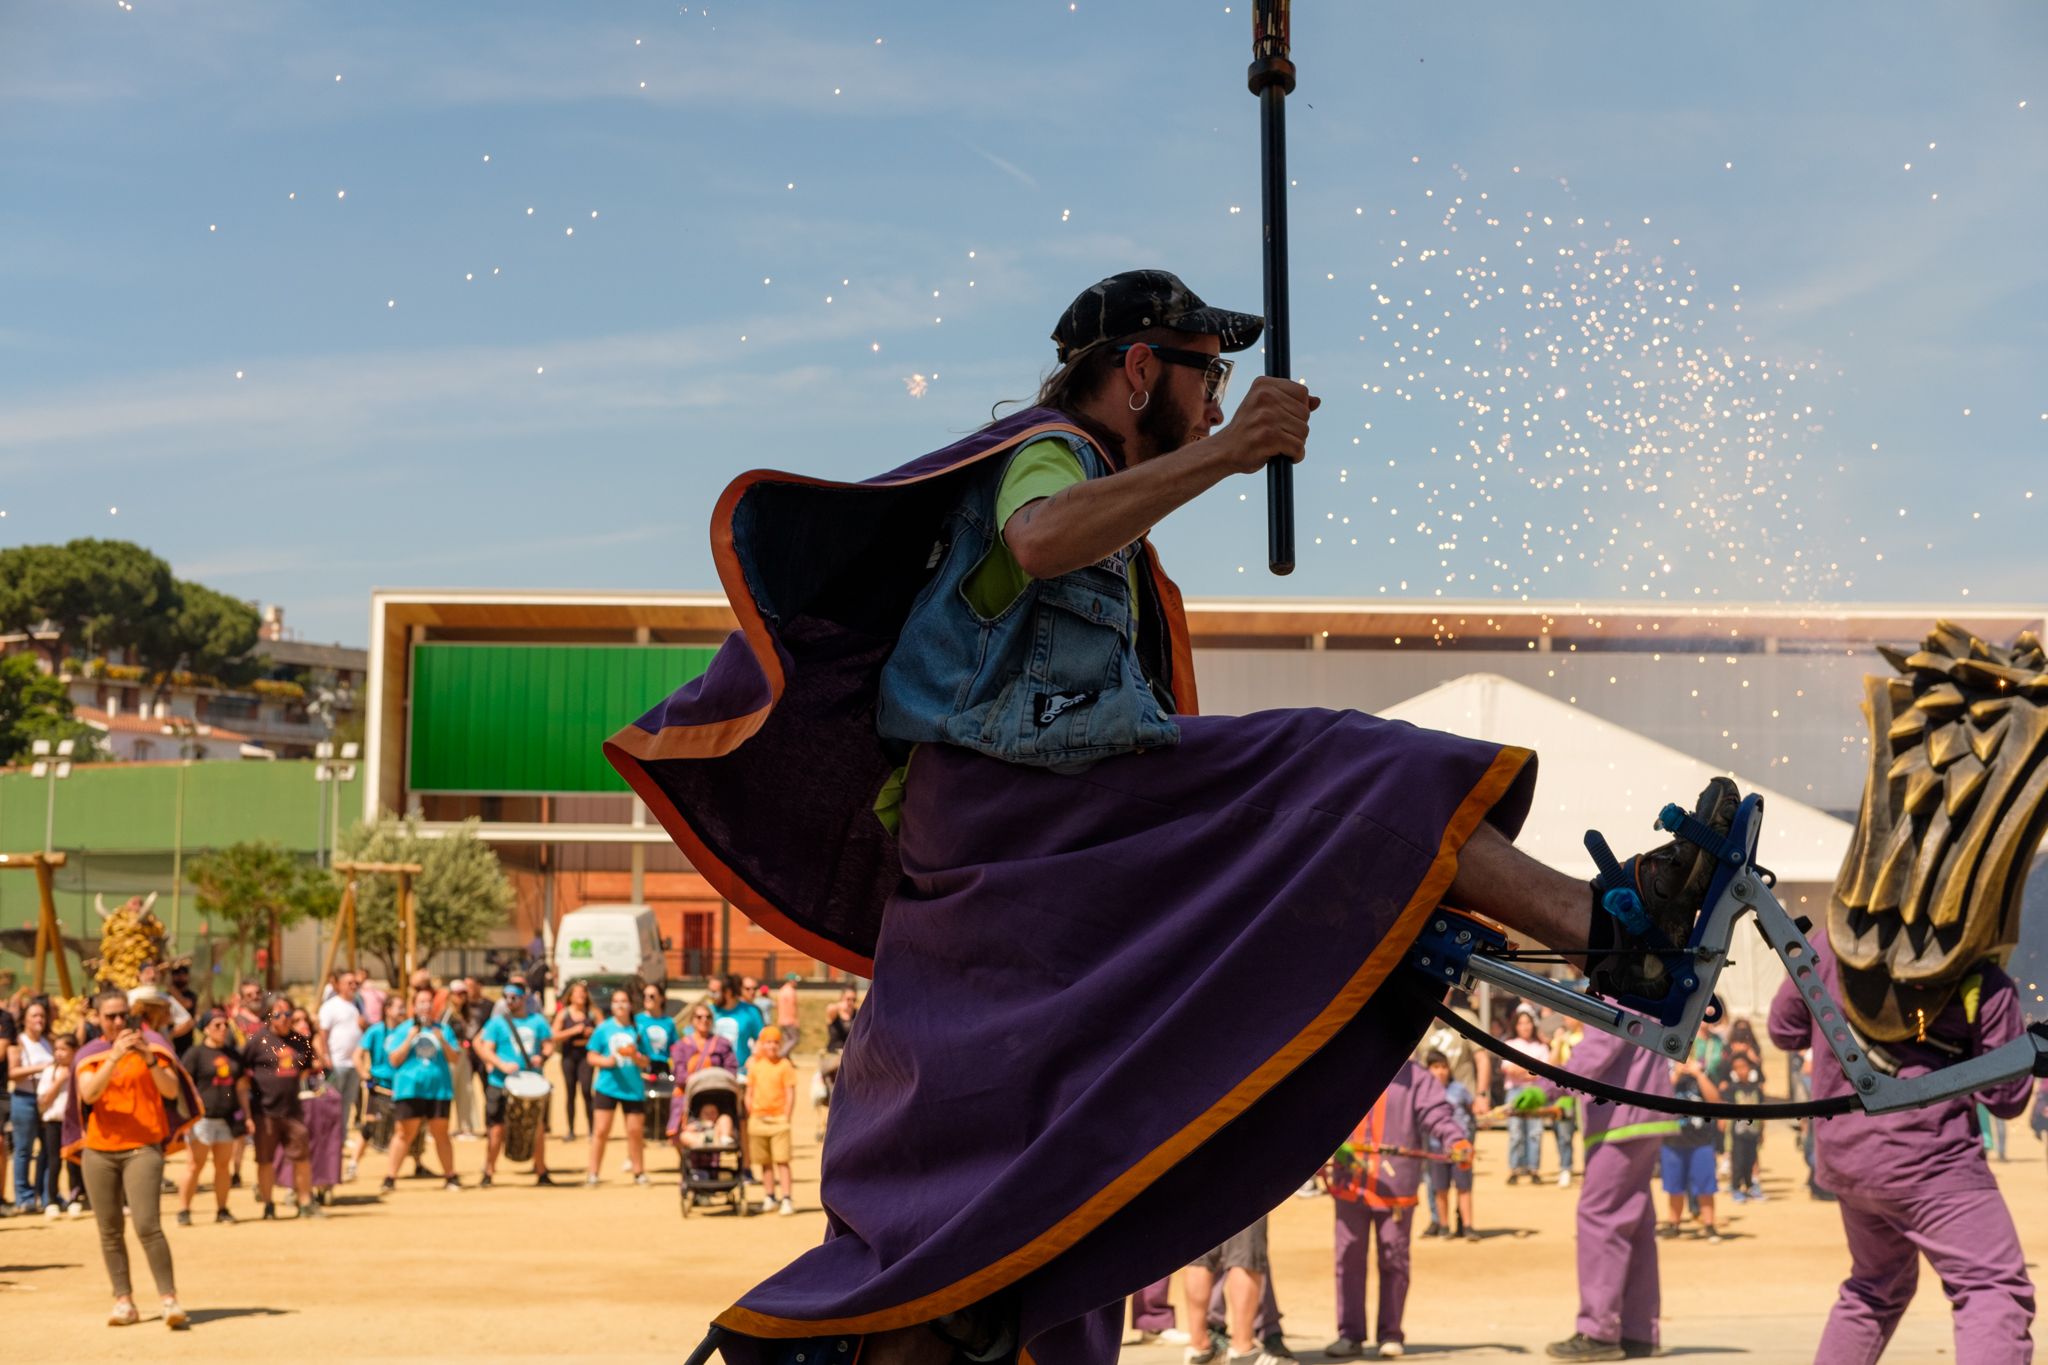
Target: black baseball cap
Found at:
x=1138, y=299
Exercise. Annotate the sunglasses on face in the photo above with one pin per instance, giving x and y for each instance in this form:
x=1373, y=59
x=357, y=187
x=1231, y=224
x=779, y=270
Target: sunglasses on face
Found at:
x=1215, y=369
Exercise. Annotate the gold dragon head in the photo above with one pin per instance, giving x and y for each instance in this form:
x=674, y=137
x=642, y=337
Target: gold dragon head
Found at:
x=1952, y=813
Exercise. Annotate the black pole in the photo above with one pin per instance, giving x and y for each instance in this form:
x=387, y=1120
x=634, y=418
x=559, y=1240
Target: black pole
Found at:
x=1271, y=78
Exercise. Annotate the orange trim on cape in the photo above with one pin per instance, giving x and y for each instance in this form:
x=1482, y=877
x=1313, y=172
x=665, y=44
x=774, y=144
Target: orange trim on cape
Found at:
x=632, y=747
x=1383, y=960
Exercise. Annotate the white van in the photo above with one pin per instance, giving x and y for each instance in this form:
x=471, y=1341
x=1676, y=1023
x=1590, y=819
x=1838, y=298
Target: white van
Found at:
x=607, y=946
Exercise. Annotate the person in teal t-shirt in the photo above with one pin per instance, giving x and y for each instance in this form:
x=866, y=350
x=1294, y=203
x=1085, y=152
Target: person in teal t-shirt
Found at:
x=737, y=1021
x=658, y=1032
x=515, y=1041
x=617, y=1062
x=373, y=1064
x=418, y=1051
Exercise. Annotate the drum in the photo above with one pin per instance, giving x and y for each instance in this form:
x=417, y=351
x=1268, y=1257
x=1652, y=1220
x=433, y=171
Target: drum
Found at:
x=526, y=1113
x=661, y=1097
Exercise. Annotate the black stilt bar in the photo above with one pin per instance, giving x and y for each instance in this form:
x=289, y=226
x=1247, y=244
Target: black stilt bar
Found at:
x=1271, y=78
x=705, y=1347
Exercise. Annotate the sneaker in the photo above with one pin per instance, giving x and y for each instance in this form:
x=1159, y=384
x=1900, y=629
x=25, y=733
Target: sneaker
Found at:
x=1174, y=1336
x=1579, y=1346
x=1639, y=1350
x=77, y=1209
x=1514, y=1177
x=643, y=1179
x=235, y=1180
x=1667, y=1229
x=174, y=1316
x=1258, y=1355
x=1344, y=1348
x=184, y=1218
x=1670, y=883
x=1564, y=1180
x=269, y=1213
x=542, y=1179
x=311, y=1210
x=1757, y=1195
x=452, y=1183
x=1392, y=1350
x=123, y=1315
x=786, y=1208
x=484, y=1183
x=1202, y=1357
x=223, y=1216
x=590, y=1181
x=52, y=1210
x=386, y=1185
x=1275, y=1345
x=1309, y=1190
x=1740, y=1196
x=1470, y=1234
x=1714, y=1235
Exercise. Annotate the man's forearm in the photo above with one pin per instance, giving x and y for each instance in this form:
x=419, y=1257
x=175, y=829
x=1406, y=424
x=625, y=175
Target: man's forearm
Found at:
x=1092, y=520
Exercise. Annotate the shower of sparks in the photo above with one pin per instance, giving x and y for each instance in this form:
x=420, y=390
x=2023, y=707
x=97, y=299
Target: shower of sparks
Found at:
x=915, y=385
x=1601, y=408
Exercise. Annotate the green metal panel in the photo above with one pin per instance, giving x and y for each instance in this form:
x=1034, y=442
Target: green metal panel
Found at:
x=532, y=718
x=125, y=826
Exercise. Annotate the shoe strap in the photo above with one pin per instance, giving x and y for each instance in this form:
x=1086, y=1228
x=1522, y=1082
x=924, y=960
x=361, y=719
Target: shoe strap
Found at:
x=1693, y=830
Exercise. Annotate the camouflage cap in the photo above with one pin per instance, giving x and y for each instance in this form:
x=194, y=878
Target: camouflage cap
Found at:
x=1138, y=299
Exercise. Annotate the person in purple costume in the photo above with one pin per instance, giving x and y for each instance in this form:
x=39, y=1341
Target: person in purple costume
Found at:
x=1620, y=1296
x=953, y=748
x=1373, y=1186
x=1915, y=1182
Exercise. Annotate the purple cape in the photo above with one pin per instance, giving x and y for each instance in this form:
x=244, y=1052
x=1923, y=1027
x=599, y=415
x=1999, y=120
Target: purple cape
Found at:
x=765, y=769
x=1117, y=1015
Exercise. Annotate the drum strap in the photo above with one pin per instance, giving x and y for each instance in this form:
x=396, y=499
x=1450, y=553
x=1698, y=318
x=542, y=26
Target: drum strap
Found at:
x=525, y=1062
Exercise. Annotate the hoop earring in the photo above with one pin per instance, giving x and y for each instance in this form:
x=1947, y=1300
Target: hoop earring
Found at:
x=1139, y=407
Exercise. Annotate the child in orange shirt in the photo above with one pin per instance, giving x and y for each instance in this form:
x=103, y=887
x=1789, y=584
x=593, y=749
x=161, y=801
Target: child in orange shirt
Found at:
x=771, y=1093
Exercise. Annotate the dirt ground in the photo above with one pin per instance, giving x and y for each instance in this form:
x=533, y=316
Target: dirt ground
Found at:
x=615, y=1273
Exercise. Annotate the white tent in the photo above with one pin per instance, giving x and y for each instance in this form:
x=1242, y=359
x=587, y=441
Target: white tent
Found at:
x=1595, y=774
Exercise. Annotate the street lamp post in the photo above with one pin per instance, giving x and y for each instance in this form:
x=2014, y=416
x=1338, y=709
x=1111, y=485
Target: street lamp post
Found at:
x=326, y=770
x=54, y=765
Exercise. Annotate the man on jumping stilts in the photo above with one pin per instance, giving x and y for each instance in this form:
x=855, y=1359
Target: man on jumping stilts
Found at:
x=954, y=747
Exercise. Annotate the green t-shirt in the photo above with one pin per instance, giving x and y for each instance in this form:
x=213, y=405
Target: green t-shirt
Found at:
x=1039, y=470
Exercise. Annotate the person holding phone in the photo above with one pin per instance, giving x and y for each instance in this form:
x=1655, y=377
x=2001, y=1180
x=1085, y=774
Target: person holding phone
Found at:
x=615, y=1053
x=130, y=1099
x=421, y=1050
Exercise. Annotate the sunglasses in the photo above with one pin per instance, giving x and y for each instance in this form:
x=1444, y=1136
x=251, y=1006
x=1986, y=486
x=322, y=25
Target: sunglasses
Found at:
x=1215, y=369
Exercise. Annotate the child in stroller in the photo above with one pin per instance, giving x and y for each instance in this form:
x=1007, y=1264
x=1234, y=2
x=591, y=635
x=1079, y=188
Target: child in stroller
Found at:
x=702, y=1125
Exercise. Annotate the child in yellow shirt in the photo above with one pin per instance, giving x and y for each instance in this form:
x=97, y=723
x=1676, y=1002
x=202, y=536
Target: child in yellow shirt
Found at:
x=771, y=1093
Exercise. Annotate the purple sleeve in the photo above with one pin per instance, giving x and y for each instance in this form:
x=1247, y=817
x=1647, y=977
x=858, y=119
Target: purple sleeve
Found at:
x=1999, y=1021
x=1790, y=1025
x=1433, y=1112
x=1593, y=1058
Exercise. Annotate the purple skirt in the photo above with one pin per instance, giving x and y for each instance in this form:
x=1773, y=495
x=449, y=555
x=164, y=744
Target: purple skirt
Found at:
x=1119, y=1015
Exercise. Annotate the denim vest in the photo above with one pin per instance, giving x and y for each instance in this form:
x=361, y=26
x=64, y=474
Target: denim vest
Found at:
x=1055, y=679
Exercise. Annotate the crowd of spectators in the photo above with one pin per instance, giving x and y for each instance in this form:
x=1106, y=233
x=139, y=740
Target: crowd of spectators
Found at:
x=92, y=1114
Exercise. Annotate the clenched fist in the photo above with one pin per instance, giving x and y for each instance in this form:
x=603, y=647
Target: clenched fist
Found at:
x=1272, y=420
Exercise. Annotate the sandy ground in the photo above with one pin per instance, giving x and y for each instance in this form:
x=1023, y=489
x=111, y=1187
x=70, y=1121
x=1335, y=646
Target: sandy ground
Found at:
x=615, y=1273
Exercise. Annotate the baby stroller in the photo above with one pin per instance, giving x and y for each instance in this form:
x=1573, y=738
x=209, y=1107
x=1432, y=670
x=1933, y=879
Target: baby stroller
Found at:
x=711, y=1174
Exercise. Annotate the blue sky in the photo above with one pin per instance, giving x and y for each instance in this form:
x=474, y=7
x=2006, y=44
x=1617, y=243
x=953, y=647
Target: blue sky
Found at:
x=1782, y=335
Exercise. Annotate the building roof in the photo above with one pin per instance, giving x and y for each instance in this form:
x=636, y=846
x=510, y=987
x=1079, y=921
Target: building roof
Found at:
x=1335, y=622
x=151, y=725
x=1594, y=774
